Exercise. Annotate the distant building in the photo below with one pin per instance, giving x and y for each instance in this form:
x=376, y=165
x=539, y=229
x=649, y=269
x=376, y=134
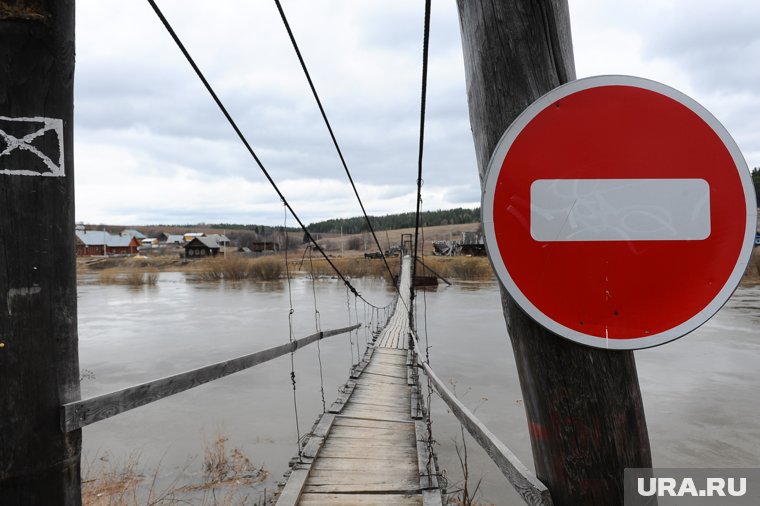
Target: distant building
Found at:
x=100, y=242
x=201, y=247
x=189, y=236
x=174, y=239
x=220, y=239
x=262, y=246
x=134, y=233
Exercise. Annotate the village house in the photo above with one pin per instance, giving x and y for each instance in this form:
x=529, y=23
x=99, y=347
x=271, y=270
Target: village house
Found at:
x=263, y=246
x=201, y=247
x=100, y=242
x=220, y=239
x=134, y=233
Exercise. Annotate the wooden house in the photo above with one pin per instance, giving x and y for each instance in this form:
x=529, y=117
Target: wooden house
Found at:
x=201, y=247
x=262, y=246
x=100, y=242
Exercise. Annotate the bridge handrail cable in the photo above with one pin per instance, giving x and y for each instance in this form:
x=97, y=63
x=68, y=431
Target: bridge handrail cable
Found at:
x=77, y=414
x=530, y=488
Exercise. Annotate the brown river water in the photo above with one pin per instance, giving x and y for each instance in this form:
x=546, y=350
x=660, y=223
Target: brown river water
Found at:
x=701, y=393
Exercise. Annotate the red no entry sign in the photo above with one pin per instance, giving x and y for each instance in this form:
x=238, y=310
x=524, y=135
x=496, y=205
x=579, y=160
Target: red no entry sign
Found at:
x=618, y=212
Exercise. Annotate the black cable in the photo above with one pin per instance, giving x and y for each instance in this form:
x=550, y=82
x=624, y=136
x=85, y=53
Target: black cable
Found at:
x=330, y=130
x=423, y=100
x=318, y=325
x=248, y=146
x=292, y=353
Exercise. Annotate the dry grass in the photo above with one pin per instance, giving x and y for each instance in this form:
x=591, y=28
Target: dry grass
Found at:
x=228, y=479
x=266, y=268
x=131, y=277
x=237, y=268
x=105, y=482
x=462, y=268
x=223, y=466
x=109, y=276
x=352, y=267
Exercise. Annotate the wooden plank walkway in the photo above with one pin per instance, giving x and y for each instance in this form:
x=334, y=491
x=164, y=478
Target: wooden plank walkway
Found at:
x=370, y=448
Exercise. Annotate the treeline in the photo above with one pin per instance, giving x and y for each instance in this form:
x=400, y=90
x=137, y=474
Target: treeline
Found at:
x=358, y=225
x=248, y=234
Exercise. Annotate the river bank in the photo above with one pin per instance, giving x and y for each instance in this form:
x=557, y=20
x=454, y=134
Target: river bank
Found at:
x=140, y=269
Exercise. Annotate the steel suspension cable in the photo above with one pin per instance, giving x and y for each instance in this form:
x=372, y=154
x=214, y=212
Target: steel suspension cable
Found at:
x=423, y=100
x=330, y=130
x=239, y=133
x=318, y=325
x=292, y=353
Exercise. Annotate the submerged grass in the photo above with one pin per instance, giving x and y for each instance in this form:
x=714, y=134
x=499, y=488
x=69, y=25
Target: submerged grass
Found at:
x=131, y=277
x=226, y=470
x=352, y=267
x=461, y=268
x=237, y=268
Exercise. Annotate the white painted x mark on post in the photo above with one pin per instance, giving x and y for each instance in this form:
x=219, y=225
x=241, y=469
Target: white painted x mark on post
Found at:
x=13, y=143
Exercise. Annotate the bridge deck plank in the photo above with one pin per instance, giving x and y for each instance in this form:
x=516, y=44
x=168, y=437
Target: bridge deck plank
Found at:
x=370, y=454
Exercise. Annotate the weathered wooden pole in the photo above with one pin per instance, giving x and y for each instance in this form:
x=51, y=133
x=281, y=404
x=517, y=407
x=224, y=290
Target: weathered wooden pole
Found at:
x=584, y=408
x=39, y=367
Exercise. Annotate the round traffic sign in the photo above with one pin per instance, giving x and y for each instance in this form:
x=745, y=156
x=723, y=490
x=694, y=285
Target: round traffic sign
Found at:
x=618, y=212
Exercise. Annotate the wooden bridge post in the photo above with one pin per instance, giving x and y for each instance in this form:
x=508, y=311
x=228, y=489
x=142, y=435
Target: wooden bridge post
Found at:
x=39, y=367
x=584, y=407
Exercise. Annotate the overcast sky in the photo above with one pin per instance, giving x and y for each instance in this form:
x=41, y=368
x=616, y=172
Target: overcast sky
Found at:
x=151, y=146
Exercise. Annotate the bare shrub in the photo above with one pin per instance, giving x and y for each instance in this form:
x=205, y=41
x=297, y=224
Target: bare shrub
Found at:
x=353, y=267
x=105, y=482
x=233, y=268
x=470, y=268
x=151, y=277
x=463, y=268
x=134, y=277
x=208, y=270
x=266, y=268
x=222, y=465
x=108, y=276
x=131, y=277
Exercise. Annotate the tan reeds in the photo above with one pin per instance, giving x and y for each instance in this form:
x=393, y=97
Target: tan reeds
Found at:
x=266, y=268
x=131, y=277
x=352, y=267
x=237, y=268
x=108, y=481
x=462, y=268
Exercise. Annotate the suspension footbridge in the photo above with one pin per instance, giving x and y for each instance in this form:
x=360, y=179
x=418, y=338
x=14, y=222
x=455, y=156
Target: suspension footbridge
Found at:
x=372, y=447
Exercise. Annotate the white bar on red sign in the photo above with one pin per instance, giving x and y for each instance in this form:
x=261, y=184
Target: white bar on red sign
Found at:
x=619, y=210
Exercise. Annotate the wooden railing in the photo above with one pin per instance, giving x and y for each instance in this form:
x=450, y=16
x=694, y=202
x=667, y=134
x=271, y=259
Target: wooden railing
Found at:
x=525, y=482
x=77, y=414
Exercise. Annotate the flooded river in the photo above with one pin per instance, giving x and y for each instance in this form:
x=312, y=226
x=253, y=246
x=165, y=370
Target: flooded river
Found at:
x=701, y=393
